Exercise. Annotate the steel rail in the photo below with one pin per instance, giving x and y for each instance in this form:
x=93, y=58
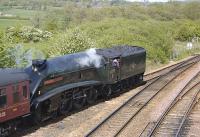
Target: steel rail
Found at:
x=177, y=98
x=131, y=98
x=174, y=67
x=186, y=114
x=173, y=103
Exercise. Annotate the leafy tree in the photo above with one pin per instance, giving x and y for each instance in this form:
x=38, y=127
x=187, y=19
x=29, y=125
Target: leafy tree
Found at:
x=192, y=10
x=188, y=30
x=5, y=58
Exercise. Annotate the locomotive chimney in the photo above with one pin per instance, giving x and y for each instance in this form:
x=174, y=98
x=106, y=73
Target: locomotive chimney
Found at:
x=38, y=65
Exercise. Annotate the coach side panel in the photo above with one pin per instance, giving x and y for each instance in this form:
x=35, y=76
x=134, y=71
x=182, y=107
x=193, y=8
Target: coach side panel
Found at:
x=14, y=101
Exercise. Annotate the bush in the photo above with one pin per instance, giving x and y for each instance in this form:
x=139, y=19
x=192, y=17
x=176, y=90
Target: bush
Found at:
x=26, y=34
x=187, y=30
x=5, y=58
x=152, y=35
x=69, y=42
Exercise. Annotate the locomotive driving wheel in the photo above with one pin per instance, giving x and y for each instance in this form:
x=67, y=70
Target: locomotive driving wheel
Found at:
x=79, y=98
x=37, y=115
x=107, y=91
x=65, y=106
x=92, y=95
x=125, y=84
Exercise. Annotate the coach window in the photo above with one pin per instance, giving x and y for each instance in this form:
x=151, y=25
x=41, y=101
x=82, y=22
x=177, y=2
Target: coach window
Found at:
x=80, y=75
x=3, y=98
x=24, y=88
x=16, y=96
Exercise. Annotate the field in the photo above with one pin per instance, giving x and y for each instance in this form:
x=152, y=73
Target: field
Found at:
x=20, y=17
x=22, y=12
x=4, y=23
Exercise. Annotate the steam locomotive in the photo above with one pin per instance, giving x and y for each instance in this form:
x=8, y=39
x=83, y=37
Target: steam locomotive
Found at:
x=55, y=86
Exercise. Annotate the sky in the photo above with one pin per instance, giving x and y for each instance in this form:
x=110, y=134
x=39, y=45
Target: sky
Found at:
x=153, y=0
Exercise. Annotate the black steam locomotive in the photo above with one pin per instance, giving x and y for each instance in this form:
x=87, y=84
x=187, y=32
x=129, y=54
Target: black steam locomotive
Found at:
x=55, y=86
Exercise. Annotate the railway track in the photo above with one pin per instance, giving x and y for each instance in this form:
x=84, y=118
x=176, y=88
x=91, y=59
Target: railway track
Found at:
x=156, y=74
x=113, y=124
x=171, y=120
x=191, y=122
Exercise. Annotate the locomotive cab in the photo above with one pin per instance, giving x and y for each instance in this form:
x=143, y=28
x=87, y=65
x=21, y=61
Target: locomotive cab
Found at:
x=114, y=69
x=124, y=62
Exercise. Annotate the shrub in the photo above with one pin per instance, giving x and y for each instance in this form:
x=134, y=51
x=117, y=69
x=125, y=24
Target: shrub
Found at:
x=152, y=35
x=26, y=34
x=187, y=30
x=69, y=42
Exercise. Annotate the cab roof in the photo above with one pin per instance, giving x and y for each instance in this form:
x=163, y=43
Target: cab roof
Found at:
x=120, y=51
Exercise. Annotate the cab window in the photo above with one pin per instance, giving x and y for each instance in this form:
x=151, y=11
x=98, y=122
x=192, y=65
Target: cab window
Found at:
x=16, y=96
x=3, y=98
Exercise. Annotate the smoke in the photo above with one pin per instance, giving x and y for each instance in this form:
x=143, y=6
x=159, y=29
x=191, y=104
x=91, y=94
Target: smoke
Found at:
x=91, y=58
x=22, y=57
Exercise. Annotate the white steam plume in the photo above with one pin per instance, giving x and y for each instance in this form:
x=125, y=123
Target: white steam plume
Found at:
x=92, y=58
x=22, y=57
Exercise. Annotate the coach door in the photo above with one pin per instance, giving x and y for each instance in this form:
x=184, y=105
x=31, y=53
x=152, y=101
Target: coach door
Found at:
x=115, y=69
x=3, y=104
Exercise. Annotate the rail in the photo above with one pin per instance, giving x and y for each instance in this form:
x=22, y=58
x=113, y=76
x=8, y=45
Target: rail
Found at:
x=173, y=103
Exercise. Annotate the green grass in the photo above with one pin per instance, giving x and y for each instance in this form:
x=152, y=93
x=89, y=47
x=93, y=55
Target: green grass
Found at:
x=22, y=12
x=4, y=23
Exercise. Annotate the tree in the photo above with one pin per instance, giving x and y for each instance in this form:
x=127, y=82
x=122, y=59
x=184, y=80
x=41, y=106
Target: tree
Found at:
x=5, y=59
x=192, y=10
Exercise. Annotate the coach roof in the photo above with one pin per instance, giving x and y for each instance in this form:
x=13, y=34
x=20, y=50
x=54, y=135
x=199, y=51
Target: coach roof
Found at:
x=12, y=76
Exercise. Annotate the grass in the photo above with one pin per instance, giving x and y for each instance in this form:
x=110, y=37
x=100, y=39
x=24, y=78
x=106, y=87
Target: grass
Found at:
x=22, y=12
x=4, y=23
x=181, y=51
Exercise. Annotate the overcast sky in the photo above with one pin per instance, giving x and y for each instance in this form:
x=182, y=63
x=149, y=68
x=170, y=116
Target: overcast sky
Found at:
x=153, y=0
